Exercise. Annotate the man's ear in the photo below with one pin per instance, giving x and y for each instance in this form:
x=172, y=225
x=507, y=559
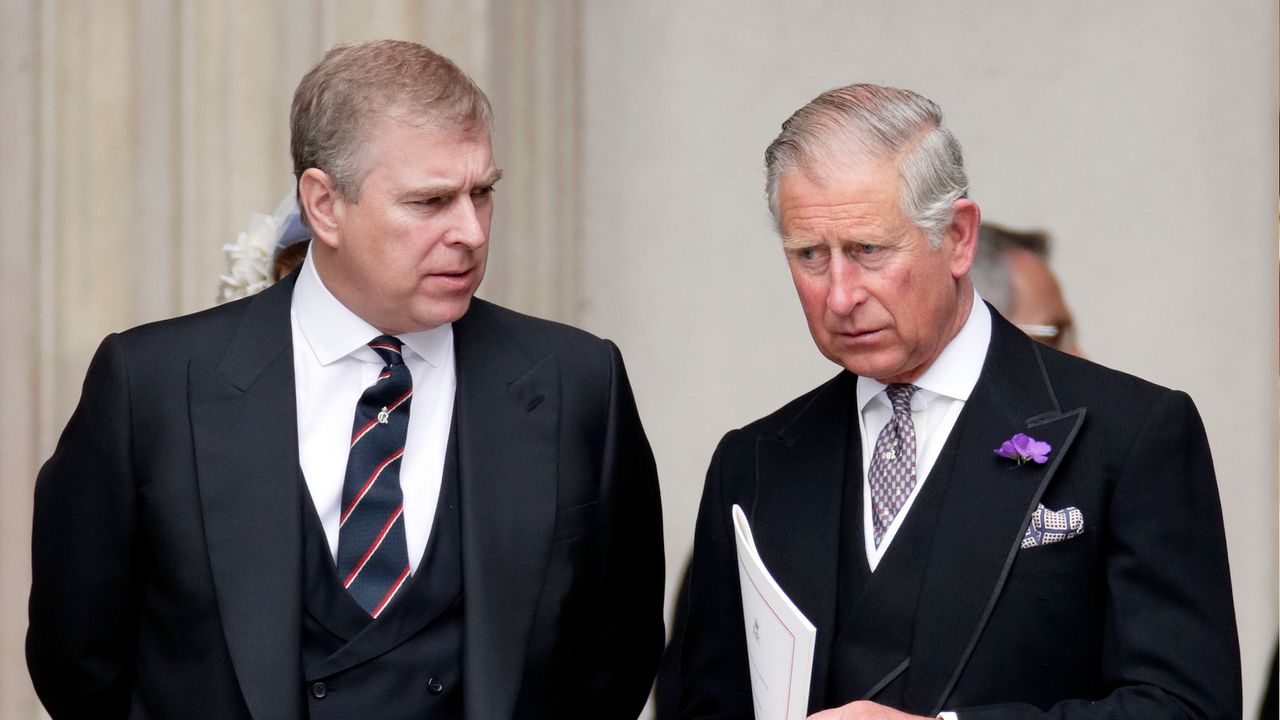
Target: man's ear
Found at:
x=962, y=236
x=321, y=202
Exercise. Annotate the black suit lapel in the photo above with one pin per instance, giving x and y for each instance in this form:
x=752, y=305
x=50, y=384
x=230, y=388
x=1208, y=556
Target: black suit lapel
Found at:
x=986, y=509
x=508, y=413
x=244, y=427
x=795, y=519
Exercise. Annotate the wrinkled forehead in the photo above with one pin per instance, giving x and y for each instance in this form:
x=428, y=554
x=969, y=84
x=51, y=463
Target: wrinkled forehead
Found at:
x=865, y=188
x=382, y=131
x=376, y=122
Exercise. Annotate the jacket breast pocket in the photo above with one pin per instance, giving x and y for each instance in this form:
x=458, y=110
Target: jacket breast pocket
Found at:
x=1058, y=570
x=574, y=522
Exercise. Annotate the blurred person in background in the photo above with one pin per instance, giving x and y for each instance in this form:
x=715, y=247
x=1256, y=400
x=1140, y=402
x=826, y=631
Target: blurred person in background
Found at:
x=1011, y=271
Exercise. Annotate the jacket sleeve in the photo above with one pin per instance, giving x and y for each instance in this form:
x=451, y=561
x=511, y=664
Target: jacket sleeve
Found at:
x=83, y=605
x=625, y=627
x=709, y=646
x=1170, y=648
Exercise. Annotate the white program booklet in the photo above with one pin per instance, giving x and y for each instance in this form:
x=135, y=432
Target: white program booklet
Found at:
x=779, y=637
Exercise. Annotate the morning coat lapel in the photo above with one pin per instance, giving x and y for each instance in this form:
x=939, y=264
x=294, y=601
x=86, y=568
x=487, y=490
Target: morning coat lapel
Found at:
x=986, y=510
x=244, y=429
x=795, y=518
x=507, y=415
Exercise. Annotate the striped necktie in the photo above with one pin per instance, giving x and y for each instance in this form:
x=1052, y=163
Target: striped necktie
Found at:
x=373, y=561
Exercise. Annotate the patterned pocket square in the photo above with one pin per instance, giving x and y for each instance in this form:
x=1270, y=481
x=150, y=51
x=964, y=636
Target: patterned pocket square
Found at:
x=1051, y=526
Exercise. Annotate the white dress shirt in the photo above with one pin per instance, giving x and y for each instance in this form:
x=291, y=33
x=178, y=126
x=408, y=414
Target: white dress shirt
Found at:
x=944, y=389
x=332, y=366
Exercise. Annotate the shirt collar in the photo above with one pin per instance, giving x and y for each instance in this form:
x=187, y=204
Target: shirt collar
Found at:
x=955, y=373
x=333, y=332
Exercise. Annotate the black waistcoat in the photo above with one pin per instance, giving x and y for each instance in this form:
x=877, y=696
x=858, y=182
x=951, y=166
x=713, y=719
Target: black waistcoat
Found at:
x=408, y=662
x=875, y=612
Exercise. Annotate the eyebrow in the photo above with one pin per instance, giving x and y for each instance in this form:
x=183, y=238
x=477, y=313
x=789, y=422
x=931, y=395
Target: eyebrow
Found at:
x=794, y=243
x=448, y=188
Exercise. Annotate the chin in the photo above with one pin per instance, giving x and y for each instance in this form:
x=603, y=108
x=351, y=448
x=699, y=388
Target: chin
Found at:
x=446, y=312
x=863, y=368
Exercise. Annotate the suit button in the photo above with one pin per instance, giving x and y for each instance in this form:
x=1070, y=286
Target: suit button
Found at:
x=319, y=690
x=435, y=686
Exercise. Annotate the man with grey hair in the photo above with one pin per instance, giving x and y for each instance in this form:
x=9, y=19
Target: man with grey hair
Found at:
x=361, y=492
x=978, y=526
x=1011, y=271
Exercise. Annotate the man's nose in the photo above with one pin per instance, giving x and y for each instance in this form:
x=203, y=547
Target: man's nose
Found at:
x=468, y=223
x=845, y=291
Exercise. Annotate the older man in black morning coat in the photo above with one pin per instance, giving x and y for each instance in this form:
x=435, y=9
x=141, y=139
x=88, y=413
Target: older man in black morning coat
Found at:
x=1082, y=574
x=192, y=526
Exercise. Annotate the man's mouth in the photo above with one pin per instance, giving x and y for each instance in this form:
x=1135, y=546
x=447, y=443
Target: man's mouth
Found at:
x=458, y=277
x=858, y=335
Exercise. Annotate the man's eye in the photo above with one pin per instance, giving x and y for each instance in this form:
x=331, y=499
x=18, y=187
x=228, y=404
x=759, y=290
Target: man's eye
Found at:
x=809, y=255
x=483, y=191
x=866, y=249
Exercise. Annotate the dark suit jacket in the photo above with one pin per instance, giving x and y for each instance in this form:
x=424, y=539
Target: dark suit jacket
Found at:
x=167, y=540
x=1132, y=619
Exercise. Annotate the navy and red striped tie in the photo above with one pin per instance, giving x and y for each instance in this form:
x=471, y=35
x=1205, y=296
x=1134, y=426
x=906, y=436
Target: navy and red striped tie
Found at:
x=373, y=561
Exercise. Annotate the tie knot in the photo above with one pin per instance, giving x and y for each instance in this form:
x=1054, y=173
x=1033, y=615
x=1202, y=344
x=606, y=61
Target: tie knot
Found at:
x=388, y=348
x=900, y=396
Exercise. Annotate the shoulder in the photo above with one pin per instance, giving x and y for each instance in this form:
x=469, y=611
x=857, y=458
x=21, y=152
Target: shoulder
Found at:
x=186, y=334
x=1074, y=381
x=527, y=328
x=536, y=337
x=206, y=333
x=157, y=357
x=1079, y=382
x=160, y=349
x=1121, y=411
x=829, y=402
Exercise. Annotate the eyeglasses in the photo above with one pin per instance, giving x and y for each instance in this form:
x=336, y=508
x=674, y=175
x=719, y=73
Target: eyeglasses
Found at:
x=1058, y=337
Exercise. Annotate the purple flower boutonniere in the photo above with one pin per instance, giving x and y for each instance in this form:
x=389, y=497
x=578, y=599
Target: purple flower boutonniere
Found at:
x=1022, y=447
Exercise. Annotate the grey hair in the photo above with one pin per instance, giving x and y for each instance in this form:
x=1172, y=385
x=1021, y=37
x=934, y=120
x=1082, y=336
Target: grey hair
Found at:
x=341, y=98
x=846, y=125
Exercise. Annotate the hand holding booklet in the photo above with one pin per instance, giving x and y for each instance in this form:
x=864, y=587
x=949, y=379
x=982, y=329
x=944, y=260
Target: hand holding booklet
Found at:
x=780, y=638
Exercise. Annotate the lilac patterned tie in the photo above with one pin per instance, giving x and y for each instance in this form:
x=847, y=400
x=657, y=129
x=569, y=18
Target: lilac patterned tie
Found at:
x=893, y=462
x=373, y=561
